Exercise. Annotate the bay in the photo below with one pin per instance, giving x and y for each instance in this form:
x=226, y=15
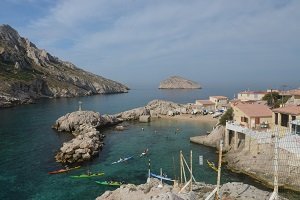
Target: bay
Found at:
x=28, y=146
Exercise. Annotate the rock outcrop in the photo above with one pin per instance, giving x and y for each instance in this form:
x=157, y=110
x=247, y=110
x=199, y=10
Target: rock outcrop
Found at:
x=155, y=108
x=176, y=82
x=147, y=191
x=88, y=140
x=28, y=73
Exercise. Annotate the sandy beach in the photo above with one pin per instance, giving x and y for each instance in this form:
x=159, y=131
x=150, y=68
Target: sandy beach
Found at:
x=189, y=117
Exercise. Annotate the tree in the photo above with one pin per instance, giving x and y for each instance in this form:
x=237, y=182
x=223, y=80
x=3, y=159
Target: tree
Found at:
x=274, y=99
x=227, y=116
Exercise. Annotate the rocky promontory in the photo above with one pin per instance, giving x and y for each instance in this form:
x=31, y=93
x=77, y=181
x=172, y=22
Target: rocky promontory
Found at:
x=84, y=125
x=176, y=82
x=147, y=191
x=28, y=73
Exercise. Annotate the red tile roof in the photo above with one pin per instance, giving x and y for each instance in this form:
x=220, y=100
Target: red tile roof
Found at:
x=205, y=102
x=255, y=110
x=290, y=109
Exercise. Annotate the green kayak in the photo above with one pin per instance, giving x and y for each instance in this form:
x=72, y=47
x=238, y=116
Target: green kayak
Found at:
x=111, y=183
x=87, y=176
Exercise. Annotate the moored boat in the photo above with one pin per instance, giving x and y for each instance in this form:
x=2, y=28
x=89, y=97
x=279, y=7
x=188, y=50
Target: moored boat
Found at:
x=212, y=165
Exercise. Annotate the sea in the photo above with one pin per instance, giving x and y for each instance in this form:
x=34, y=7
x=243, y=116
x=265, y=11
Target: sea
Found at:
x=28, y=145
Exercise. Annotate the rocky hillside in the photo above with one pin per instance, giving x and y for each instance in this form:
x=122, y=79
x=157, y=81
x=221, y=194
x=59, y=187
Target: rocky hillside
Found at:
x=28, y=73
x=176, y=82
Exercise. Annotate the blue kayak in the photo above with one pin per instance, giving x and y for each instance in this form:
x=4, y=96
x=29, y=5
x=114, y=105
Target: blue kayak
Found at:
x=160, y=177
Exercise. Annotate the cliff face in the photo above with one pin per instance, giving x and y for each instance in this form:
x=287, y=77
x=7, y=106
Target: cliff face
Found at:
x=28, y=73
x=176, y=82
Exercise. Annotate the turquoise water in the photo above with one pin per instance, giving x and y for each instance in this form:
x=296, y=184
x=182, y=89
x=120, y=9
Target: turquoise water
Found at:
x=28, y=145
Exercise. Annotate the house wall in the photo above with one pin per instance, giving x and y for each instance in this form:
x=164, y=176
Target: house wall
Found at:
x=279, y=120
x=250, y=96
x=219, y=103
x=238, y=114
x=209, y=107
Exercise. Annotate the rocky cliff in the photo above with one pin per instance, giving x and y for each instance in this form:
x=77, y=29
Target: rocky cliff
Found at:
x=28, y=73
x=176, y=82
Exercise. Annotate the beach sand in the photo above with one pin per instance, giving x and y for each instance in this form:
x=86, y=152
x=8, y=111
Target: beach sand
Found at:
x=189, y=117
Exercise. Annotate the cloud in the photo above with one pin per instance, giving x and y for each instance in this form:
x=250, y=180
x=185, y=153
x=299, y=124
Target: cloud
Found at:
x=117, y=35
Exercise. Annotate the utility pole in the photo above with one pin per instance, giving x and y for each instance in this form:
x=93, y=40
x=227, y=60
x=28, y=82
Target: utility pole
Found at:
x=219, y=170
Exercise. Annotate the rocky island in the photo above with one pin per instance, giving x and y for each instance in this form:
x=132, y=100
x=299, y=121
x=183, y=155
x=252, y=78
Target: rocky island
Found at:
x=28, y=73
x=176, y=82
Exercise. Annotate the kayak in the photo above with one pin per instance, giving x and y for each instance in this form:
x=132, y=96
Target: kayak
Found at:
x=87, y=176
x=122, y=160
x=110, y=183
x=63, y=170
x=144, y=153
x=212, y=165
x=160, y=177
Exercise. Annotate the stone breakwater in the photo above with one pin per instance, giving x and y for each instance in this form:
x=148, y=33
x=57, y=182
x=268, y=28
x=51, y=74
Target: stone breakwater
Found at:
x=229, y=191
x=88, y=141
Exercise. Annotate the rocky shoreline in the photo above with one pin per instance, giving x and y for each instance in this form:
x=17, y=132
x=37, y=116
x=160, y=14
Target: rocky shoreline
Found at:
x=88, y=141
x=150, y=190
x=85, y=125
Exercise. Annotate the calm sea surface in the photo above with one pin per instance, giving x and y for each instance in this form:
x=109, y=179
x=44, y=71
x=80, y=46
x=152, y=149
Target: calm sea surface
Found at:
x=28, y=145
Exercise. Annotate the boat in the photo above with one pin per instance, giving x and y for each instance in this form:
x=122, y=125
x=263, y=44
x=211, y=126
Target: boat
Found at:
x=212, y=165
x=122, y=160
x=110, y=183
x=88, y=175
x=161, y=177
x=144, y=153
x=63, y=170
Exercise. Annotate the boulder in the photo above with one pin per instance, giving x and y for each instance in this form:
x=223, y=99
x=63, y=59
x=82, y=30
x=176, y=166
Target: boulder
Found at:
x=144, y=118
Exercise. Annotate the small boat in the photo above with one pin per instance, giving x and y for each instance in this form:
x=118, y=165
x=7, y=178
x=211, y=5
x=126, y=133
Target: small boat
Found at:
x=110, y=183
x=144, y=153
x=212, y=165
x=88, y=175
x=63, y=170
x=122, y=160
x=161, y=177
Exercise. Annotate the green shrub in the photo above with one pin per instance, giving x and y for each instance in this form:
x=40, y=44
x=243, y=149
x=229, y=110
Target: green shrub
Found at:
x=227, y=116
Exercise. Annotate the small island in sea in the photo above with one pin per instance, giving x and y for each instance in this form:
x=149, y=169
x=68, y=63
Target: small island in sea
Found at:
x=177, y=82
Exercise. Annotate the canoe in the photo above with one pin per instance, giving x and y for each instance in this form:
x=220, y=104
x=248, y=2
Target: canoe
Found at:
x=110, y=183
x=212, y=165
x=87, y=176
x=63, y=170
x=160, y=177
x=122, y=160
x=144, y=153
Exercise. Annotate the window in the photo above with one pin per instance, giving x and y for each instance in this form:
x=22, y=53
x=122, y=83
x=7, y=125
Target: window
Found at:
x=284, y=120
x=276, y=118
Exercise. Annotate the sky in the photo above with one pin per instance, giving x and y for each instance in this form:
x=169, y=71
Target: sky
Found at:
x=251, y=43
